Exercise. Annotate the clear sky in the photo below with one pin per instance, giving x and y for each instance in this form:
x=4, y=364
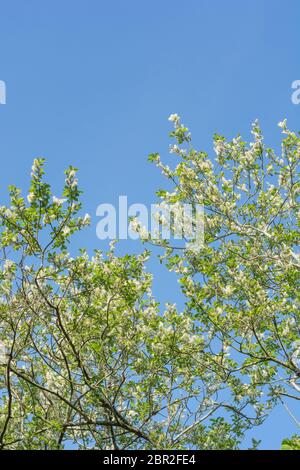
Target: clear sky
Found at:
x=92, y=83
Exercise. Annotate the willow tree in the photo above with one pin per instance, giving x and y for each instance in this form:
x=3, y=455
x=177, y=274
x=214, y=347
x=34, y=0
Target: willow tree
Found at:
x=242, y=284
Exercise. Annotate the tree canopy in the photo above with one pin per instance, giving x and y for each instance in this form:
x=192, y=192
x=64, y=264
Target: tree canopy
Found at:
x=90, y=359
x=242, y=285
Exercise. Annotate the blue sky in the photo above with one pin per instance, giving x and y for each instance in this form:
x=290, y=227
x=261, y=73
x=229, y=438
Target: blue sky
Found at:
x=91, y=83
